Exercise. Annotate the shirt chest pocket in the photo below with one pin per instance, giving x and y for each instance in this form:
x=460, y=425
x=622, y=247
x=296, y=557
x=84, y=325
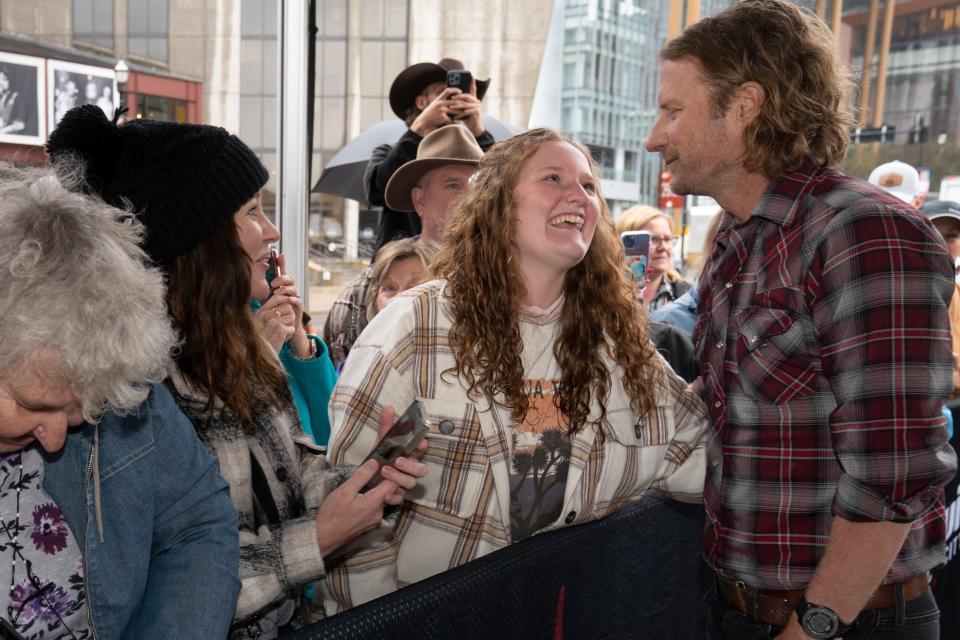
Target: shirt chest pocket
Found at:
x=456, y=458
x=634, y=452
x=771, y=355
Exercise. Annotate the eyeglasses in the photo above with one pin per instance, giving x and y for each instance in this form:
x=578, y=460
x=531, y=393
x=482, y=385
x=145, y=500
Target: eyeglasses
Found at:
x=664, y=240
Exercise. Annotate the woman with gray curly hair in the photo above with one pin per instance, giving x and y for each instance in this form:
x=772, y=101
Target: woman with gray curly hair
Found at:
x=115, y=522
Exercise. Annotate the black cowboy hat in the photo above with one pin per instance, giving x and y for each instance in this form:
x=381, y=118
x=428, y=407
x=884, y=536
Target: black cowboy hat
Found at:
x=411, y=82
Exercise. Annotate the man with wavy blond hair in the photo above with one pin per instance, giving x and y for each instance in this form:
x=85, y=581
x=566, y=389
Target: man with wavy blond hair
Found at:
x=823, y=339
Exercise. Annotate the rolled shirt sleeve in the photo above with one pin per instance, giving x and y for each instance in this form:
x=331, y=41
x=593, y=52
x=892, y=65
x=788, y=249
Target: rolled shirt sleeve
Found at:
x=882, y=285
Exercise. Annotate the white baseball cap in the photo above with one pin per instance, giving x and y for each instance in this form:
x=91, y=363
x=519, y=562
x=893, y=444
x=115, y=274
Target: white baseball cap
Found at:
x=899, y=178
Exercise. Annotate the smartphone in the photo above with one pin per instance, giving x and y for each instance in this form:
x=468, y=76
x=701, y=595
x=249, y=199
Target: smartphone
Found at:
x=636, y=250
x=402, y=438
x=460, y=78
x=273, y=267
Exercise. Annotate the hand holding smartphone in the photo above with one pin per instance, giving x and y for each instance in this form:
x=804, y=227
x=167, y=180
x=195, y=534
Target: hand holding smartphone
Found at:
x=274, y=270
x=636, y=250
x=402, y=438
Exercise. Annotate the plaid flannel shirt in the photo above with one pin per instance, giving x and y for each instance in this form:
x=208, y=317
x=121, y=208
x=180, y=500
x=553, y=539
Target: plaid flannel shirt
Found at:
x=461, y=509
x=825, y=350
x=347, y=317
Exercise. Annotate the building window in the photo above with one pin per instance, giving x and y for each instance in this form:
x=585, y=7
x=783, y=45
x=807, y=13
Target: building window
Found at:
x=258, y=87
x=93, y=22
x=383, y=55
x=147, y=28
x=161, y=108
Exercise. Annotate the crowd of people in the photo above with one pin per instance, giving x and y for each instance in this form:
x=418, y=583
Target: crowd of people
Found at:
x=180, y=457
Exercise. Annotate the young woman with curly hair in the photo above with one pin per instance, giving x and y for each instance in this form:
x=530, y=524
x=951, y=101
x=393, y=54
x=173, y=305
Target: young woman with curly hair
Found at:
x=546, y=402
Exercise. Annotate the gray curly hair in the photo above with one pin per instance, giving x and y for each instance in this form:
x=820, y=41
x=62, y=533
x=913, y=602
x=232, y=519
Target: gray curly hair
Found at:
x=74, y=283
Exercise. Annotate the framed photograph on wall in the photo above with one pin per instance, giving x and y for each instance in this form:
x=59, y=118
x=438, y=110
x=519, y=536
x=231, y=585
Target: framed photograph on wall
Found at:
x=21, y=100
x=70, y=85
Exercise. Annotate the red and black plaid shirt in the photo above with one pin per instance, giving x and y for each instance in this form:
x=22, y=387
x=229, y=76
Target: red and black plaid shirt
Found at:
x=825, y=346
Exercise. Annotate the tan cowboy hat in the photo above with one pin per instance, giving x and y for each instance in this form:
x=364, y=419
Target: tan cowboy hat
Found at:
x=411, y=82
x=452, y=144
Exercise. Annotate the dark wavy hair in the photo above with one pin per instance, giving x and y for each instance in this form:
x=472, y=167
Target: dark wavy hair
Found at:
x=222, y=353
x=792, y=55
x=600, y=313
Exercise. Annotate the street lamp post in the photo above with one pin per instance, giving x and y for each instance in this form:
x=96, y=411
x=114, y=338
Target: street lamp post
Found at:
x=122, y=73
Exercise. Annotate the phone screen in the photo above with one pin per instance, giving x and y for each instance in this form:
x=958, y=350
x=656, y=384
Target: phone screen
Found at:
x=636, y=250
x=402, y=438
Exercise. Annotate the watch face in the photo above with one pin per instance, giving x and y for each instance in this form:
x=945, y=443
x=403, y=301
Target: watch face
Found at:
x=820, y=622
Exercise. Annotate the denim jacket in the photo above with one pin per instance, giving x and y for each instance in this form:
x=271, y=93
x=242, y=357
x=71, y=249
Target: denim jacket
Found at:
x=163, y=561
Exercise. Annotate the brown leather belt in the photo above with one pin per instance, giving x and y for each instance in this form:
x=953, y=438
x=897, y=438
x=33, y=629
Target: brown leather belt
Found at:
x=770, y=606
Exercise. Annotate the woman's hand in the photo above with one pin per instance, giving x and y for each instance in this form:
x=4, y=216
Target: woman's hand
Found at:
x=347, y=512
x=281, y=317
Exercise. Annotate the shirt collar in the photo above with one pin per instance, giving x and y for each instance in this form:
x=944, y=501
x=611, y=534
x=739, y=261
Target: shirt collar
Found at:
x=781, y=199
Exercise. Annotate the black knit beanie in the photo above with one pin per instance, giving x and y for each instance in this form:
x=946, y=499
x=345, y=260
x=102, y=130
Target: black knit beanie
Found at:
x=183, y=180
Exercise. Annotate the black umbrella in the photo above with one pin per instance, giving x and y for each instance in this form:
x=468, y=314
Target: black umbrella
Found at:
x=343, y=175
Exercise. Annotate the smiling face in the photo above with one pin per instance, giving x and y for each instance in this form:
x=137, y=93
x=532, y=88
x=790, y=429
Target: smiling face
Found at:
x=661, y=252
x=556, y=207
x=37, y=407
x=701, y=151
x=256, y=233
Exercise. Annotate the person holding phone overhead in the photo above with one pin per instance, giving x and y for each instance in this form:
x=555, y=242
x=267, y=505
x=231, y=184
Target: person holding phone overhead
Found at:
x=663, y=283
x=196, y=188
x=546, y=402
x=421, y=97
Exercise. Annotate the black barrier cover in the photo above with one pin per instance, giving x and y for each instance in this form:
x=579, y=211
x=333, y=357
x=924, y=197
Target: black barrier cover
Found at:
x=946, y=579
x=634, y=574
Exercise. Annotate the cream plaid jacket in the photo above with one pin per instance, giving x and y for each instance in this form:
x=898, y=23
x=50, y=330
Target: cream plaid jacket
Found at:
x=461, y=509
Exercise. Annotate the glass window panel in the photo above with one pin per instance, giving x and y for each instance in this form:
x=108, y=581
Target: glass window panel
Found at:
x=138, y=46
x=333, y=17
x=334, y=68
x=270, y=11
x=269, y=68
x=157, y=49
x=137, y=17
x=334, y=117
x=371, y=67
x=251, y=17
x=251, y=71
x=82, y=17
x=372, y=13
x=395, y=18
x=103, y=16
x=394, y=61
x=251, y=121
x=269, y=123
x=157, y=16
x=370, y=112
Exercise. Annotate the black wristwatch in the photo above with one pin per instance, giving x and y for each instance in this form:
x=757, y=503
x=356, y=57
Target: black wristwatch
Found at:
x=820, y=622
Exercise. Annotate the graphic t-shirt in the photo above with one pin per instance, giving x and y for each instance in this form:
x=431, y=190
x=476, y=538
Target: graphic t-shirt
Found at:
x=540, y=446
x=41, y=567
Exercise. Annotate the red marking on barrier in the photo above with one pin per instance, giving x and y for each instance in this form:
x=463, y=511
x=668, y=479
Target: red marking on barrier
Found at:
x=558, y=627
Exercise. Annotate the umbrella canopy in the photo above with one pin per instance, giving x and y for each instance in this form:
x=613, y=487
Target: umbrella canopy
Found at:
x=343, y=175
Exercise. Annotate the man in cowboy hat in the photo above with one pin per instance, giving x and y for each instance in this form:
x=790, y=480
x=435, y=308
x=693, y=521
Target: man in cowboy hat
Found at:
x=428, y=187
x=420, y=97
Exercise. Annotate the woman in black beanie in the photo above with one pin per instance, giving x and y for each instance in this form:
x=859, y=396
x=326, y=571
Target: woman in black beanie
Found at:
x=196, y=188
